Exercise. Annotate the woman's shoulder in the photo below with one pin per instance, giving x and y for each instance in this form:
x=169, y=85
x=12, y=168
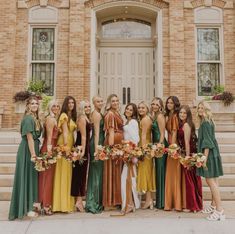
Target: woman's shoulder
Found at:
x=63, y=116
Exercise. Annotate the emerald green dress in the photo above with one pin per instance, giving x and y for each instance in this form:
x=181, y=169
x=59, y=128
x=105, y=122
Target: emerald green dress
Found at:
x=160, y=165
x=25, y=188
x=206, y=140
x=95, y=177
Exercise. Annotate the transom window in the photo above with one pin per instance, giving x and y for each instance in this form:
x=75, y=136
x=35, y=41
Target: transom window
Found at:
x=43, y=57
x=126, y=29
x=208, y=60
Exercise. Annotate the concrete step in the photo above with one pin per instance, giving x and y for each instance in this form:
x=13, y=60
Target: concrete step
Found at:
x=228, y=157
x=9, y=148
x=227, y=193
x=7, y=157
x=9, y=140
x=224, y=181
x=225, y=128
x=6, y=180
x=227, y=148
x=225, y=140
x=229, y=168
x=5, y=193
x=7, y=168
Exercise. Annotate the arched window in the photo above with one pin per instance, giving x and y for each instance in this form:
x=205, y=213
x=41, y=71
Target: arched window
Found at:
x=126, y=29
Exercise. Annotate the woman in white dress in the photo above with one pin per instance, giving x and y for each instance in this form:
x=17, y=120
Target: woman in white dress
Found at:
x=130, y=200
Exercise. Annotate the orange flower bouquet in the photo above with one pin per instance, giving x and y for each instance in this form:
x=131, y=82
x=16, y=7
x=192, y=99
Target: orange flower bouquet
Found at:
x=196, y=160
x=174, y=151
x=103, y=153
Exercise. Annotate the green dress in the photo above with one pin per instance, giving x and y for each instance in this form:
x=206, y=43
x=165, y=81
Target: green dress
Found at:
x=206, y=140
x=25, y=188
x=95, y=177
x=160, y=165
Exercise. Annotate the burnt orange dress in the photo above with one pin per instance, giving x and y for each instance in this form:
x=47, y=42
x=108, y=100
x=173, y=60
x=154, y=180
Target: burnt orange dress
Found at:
x=112, y=170
x=173, y=183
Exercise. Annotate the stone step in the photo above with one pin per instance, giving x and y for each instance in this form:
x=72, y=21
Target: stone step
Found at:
x=227, y=193
x=229, y=168
x=6, y=180
x=228, y=148
x=7, y=157
x=225, y=140
x=224, y=181
x=7, y=168
x=228, y=157
x=225, y=128
x=5, y=193
x=9, y=140
x=9, y=148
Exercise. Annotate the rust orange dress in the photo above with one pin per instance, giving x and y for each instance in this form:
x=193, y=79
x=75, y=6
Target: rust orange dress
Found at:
x=112, y=170
x=173, y=182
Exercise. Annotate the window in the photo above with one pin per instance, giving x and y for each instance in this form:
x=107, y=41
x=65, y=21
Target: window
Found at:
x=43, y=57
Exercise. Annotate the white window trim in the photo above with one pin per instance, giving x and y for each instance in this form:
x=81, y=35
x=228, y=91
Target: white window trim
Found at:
x=30, y=61
x=221, y=49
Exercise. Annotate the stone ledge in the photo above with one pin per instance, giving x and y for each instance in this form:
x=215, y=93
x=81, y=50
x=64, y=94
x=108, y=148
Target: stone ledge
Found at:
x=24, y=4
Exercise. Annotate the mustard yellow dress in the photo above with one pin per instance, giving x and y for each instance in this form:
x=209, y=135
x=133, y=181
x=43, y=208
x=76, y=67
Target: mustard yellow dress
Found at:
x=146, y=169
x=62, y=200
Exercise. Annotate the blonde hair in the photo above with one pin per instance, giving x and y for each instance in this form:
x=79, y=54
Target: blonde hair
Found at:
x=81, y=108
x=96, y=97
x=50, y=105
x=147, y=107
x=108, y=102
x=162, y=109
x=207, y=116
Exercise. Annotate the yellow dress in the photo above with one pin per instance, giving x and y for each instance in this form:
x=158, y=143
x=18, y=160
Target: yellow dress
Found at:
x=62, y=200
x=146, y=169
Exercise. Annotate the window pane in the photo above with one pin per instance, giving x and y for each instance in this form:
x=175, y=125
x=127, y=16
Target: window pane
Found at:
x=208, y=78
x=208, y=44
x=45, y=72
x=43, y=44
x=124, y=29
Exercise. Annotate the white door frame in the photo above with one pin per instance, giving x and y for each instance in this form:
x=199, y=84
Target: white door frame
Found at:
x=159, y=43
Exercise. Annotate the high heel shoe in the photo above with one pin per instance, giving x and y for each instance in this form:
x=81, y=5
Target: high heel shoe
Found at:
x=148, y=206
x=47, y=210
x=37, y=207
x=79, y=207
x=217, y=216
x=129, y=209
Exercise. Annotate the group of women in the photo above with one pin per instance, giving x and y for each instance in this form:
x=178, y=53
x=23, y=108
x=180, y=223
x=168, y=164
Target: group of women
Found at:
x=107, y=185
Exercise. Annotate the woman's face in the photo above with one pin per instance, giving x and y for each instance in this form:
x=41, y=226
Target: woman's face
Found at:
x=98, y=103
x=156, y=106
x=114, y=103
x=33, y=106
x=55, y=108
x=71, y=104
x=129, y=112
x=142, y=109
x=87, y=108
x=170, y=104
x=200, y=110
x=183, y=114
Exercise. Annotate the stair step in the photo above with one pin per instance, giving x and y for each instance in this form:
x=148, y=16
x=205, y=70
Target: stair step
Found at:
x=7, y=157
x=5, y=193
x=9, y=148
x=227, y=193
x=224, y=181
x=9, y=140
x=7, y=168
x=225, y=128
x=228, y=148
x=228, y=157
x=225, y=140
x=6, y=180
x=229, y=168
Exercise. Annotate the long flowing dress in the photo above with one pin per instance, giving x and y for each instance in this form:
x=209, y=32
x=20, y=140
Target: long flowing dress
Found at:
x=173, y=182
x=46, y=178
x=25, y=188
x=193, y=182
x=146, y=169
x=160, y=165
x=62, y=200
x=80, y=171
x=206, y=140
x=112, y=170
x=129, y=173
x=95, y=176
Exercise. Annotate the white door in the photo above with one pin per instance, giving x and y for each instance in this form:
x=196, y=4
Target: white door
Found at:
x=127, y=72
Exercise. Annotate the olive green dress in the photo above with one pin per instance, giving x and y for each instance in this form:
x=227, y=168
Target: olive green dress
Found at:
x=25, y=188
x=206, y=140
x=160, y=165
x=95, y=177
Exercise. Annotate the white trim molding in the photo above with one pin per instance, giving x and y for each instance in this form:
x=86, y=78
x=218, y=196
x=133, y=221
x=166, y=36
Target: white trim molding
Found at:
x=24, y=4
x=208, y=15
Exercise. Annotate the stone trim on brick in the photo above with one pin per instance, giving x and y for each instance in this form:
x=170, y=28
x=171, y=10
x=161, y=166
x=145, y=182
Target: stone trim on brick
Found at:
x=43, y=3
x=157, y=3
x=208, y=3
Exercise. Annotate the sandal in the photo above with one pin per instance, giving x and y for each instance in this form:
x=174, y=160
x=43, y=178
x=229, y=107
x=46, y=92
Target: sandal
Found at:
x=208, y=209
x=48, y=210
x=216, y=216
x=37, y=207
x=32, y=214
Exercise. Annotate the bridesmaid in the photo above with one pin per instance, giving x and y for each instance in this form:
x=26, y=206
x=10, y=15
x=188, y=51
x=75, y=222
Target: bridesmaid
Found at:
x=95, y=177
x=158, y=136
x=187, y=142
x=173, y=183
x=46, y=178
x=25, y=188
x=130, y=199
x=113, y=125
x=208, y=145
x=146, y=170
x=80, y=170
x=62, y=200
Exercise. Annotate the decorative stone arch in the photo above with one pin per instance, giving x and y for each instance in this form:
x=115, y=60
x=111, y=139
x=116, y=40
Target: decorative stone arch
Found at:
x=43, y=3
x=208, y=3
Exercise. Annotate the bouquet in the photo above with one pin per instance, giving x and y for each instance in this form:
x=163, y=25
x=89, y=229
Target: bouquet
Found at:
x=157, y=150
x=62, y=151
x=196, y=160
x=174, y=151
x=75, y=155
x=103, y=153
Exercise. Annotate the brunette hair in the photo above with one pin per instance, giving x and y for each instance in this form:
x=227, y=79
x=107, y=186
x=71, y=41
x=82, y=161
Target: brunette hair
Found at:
x=135, y=111
x=176, y=105
x=65, y=108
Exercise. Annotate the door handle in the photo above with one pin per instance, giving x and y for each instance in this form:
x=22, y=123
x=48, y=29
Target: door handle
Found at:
x=128, y=95
x=124, y=96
